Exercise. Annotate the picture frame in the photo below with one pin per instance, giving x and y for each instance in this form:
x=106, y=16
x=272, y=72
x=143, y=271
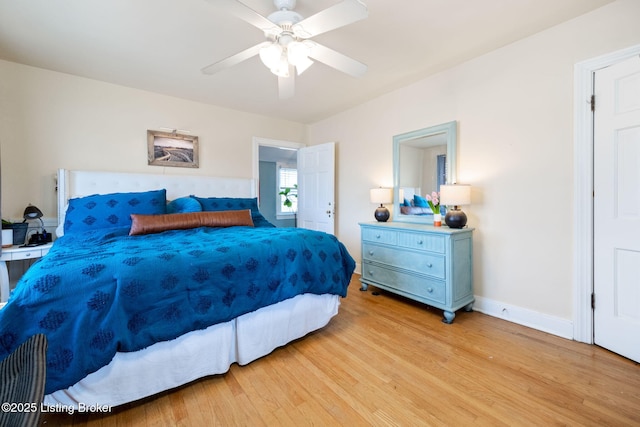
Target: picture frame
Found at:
x=172, y=149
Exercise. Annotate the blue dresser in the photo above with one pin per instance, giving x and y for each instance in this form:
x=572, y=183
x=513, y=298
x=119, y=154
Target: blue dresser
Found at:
x=433, y=265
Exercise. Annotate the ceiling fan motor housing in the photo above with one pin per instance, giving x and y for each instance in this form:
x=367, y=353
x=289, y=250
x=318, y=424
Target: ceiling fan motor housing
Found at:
x=285, y=18
x=284, y=4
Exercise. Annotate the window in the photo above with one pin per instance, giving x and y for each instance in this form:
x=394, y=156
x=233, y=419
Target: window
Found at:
x=287, y=179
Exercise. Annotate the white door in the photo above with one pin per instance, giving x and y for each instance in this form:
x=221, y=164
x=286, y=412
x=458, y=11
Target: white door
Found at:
x=617, y=208
x=316, y=191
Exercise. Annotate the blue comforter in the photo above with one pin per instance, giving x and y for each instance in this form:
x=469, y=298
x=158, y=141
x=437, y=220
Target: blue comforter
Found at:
x=101, y=292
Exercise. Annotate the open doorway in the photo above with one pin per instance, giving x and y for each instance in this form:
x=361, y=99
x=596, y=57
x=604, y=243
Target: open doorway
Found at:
x=275, y=169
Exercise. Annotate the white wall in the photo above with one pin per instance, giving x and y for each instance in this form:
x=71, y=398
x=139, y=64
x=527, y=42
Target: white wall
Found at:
x=50, y=120
x=514, y=108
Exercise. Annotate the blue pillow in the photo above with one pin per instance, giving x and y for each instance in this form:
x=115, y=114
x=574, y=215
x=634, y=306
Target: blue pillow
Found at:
x=420, y=201
x=405, y=202
x=212, y=204
x=184, y=205
x=112, y=210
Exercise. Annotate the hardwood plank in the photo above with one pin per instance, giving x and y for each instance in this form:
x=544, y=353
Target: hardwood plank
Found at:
x=388, y=361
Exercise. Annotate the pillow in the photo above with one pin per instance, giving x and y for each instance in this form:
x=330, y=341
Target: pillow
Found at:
x=215, y=204
x=112, y=210
x=405, y=202
x=420, y=202
x=183, y=205
x=148, y=224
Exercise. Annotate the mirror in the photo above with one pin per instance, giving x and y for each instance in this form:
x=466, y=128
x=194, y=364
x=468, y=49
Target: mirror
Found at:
x=423, y=160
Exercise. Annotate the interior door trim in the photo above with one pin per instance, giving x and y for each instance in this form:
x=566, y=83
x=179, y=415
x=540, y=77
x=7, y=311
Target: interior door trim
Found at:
x=583, y=189
x=256, y=142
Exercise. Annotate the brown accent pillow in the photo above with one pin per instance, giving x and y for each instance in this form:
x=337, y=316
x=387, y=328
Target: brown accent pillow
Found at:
x=148, y=224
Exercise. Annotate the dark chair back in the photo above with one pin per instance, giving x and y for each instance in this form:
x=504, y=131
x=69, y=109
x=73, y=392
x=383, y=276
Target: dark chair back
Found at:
x=22, y=378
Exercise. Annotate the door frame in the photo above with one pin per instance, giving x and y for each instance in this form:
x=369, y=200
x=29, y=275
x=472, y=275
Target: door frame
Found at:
x=583, y=189
x=257, y=142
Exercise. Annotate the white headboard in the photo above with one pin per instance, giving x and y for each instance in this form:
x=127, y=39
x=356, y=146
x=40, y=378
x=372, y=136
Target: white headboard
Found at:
x=72, y=184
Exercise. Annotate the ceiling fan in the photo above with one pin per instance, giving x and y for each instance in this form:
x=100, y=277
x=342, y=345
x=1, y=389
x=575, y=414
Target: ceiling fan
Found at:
x=288, y=49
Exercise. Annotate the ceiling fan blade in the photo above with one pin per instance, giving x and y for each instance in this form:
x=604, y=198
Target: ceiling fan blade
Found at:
x=286, y=85
x=343, y=13
x=234, y=59
x=249, y=15
x=337, y=60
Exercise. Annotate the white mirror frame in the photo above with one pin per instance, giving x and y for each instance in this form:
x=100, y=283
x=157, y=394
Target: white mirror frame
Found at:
x=450, y=130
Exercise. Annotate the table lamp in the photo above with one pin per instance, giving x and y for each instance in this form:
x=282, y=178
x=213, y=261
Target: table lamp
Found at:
x=32, y=212
x=455, y=195
x=382, y=196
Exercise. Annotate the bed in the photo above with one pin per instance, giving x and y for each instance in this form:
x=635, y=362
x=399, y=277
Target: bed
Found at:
x=177, y=279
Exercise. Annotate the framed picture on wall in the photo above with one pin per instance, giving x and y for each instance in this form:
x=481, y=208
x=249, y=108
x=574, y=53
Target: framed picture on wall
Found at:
x=172, y=149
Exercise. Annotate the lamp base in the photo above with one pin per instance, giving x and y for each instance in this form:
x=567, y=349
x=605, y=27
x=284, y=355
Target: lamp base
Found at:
x=381, y=214
x=455, y=218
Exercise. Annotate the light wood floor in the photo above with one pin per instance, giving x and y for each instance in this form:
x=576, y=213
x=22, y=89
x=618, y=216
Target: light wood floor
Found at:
x=386, y=361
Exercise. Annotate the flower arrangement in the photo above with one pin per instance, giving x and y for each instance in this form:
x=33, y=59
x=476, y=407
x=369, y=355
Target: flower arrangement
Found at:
x=434, y=202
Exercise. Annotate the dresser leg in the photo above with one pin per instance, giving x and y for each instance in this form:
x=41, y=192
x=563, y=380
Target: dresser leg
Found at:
x=469, y=307
x=448, y=317
x=363, y=286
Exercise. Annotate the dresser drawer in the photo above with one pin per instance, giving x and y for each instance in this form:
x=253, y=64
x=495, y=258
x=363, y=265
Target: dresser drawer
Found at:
x=406, y=283
x=422, y=241
x=419, y=262
x=388, y=237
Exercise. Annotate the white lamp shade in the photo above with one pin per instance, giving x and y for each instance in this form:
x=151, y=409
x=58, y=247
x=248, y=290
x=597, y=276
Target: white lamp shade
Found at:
x=298, y=56
x=455, y=195
x=282, y=68
x=270, y=55
x=297, y=53
x=381, y=195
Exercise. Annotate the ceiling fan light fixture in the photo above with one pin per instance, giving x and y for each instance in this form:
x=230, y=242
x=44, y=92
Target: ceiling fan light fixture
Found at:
x=271, y=55
x=297, y=53
x=298, y=56
x=281, y=69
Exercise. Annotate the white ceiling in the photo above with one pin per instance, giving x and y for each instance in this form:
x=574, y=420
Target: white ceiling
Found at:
x=161, y=45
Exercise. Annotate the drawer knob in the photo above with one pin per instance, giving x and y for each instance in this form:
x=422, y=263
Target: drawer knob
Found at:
x=429, y=265
x=371, y=253
x=378, y=236
x=430, y=290
x=419, y=242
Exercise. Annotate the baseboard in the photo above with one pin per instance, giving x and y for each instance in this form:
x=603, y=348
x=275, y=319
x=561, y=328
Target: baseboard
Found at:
x=358, y=269
x=522, y=316
x=525, y=317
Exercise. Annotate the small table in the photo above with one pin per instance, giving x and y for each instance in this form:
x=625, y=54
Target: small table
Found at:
x=15, y=253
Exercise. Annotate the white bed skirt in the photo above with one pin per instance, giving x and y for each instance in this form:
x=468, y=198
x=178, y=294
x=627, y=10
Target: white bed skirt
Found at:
x=169, y=364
